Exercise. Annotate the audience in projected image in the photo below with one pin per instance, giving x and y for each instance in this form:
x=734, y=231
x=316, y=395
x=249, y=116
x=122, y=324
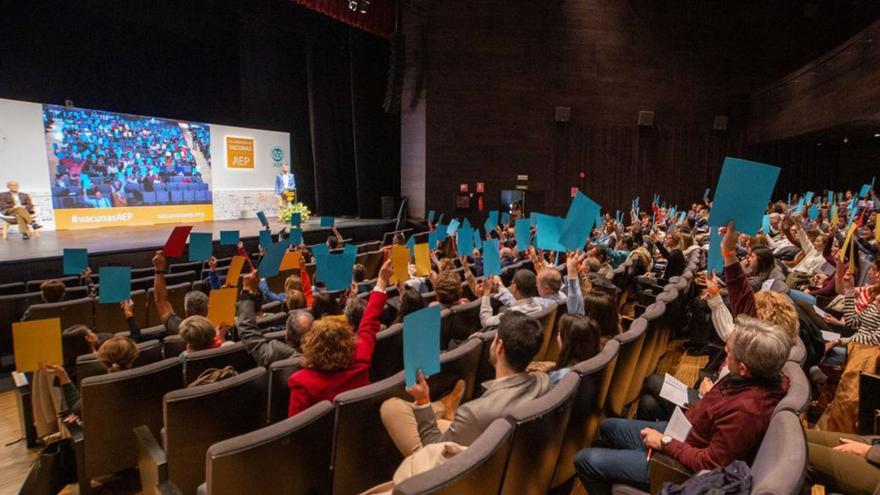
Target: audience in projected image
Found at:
x=107, y=160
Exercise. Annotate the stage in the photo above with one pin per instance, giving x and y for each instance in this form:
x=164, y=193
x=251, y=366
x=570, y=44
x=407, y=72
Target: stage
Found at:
x=40, y=257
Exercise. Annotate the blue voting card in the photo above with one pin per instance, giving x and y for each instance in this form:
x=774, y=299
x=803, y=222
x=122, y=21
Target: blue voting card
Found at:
x=200, y=246
x=229, y=237
x=491, y=258
x=742, y=193
x=296, y=236
x=431, y=214
x=75, y=261
x=265, y=238
x=296, y=219
x=453, y=227
x=115, y=284
x=808, y=197
x=338, y=271
x=263, y=219
x=715, y=262
x=813, y=212
x=421, y=343
x=548, y=232
x=505, y=219
x=578, y=222
x=523, y=228
x=765, y=224
x=491, y=222
x=271, y=261
x=328, y=222
x=320, y=251
x=465, y=239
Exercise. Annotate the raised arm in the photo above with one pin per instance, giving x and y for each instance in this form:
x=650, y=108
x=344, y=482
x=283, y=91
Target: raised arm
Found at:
x=133, y=329
x=159, y=292
x=366, y=333
x=742, y=298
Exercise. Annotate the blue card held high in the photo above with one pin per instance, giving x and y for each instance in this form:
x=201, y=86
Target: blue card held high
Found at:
x=75, y=261
x=548, y=232
x=229, y=237
x=523, y=230
x=742, y=193
x=263, y=219
x=491, y=258
x=421, y=343
x=265, y=238
x=465, y=238
x=578, y=222
x=328, y=222
x=715, y=262
x=115, y=284
x=271, y=261
x=200, y=246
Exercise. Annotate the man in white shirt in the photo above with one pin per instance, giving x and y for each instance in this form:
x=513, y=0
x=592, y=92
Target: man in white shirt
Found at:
x=18, y=204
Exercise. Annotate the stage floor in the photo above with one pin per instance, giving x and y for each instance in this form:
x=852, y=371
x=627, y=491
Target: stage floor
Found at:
x=50, y=244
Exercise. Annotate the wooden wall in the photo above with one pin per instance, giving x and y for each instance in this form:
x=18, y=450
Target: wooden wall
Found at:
x=496, y=72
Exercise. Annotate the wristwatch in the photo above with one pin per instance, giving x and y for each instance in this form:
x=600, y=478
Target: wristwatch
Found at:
x=666, y=440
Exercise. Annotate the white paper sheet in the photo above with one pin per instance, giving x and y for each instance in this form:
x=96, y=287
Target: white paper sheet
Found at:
x=819, y=311
x=674, y=391
x=830, y=336
x=678, y=426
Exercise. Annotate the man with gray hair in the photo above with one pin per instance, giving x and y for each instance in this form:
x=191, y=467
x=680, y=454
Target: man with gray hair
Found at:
x=728, y=423
x=265, y=351
x=195, y=303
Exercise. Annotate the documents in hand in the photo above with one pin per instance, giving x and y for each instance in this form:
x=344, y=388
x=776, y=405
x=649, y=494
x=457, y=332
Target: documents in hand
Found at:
x=677, y=392
x=830, y=336
x=678, y=426
x=819, y=311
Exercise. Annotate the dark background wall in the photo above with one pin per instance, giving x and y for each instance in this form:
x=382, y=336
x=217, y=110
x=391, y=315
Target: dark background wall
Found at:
x=495, y=73
x=260, y=63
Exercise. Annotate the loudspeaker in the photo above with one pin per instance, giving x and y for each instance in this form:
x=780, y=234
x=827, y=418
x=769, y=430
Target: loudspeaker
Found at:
x=563, y=114
x=720, y=123
x=646, y=117
x=396, y=66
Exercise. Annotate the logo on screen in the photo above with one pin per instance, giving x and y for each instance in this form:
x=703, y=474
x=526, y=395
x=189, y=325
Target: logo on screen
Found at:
x=277, y=155
x=239, y=152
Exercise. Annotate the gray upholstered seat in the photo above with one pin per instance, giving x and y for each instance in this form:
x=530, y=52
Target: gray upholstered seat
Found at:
x=476, y=471
x=797, y=398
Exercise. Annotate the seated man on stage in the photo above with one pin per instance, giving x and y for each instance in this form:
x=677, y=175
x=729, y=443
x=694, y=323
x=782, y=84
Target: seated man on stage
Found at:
x=284, y=182
x=18, y=204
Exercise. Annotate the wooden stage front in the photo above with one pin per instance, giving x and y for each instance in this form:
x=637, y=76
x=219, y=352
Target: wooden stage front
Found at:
x=40, y=257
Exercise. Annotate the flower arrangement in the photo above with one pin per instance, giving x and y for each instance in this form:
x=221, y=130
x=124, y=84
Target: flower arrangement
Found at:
x=290, y=209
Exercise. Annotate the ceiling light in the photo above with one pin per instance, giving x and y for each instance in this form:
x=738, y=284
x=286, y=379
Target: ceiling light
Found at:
x=846, y=140
x=877, y=134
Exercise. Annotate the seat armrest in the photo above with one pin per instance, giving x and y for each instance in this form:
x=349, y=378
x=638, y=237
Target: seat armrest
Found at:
x=152, y=463
x=663, y=468
x=168, y=487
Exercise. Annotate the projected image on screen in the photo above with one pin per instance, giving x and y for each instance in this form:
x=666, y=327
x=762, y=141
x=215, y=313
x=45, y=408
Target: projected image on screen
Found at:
x=106, y=160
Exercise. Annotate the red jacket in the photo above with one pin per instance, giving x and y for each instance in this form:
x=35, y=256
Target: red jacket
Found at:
x=309, y=386
x=728, y=423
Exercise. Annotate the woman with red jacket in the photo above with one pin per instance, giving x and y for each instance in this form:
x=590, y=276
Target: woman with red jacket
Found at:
x=335, y=359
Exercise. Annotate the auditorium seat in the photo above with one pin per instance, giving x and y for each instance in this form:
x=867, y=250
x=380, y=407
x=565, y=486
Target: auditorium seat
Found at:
x=363, y=453
x=12, y=288
x=173, y=345
x=194, y=419
x=465, y=320
x=234, y=355
x=644, y=366
x=485, y=370
x=110, y=318
x=276, y=283
x=87, y=365
x=149, y=197
x=77, y=292
x=194, y=266
x=586, y=412
x=271, y=460
x=189, y=196
x=132, y=398
x=797, y=398
x=476, y=471
x=201, y=195
x=537, y=438
x=279, y=392
x=176, y=294
x=12, y=307
x=372, y=263
x=780, y=466
x=798, y=352
x=388, y=354
x=631, y=343
x=176, y=195
x=142, y=283
x=73, y=312
x=460, y=363
x=553, y=341
x=157, y=332
x=34, y=285
x=272, y=320
x=273, y=307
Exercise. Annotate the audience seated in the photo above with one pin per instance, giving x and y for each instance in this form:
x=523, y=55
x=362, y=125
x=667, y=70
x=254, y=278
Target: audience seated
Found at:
x=728, y=423
x=844, y=462
x=524, y=291
x=578, y=340
x=414, y=425
x=194, y=304
x=334, y=358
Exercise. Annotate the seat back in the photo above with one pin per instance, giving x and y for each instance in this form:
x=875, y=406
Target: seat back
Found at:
x=150, y=333
x=627, y=362
x=88, y=365
x=197, y=417
x=465, y=321
x=547, y=318
x=195, y=266
x=537, y=439
x=595, y=374
x=34, y=285
x=12, y=288
x=476, y=471
x=272, y=320
x=176, y=294
x=234, y=355
x=173, y=345
x=272, y=460
x=114, y=404
x=279, y=392
x=485, y=370
x=797, y=398
x=109, y=316
x=780, y=465
x=372, y=263
x=460, y=363
x=388, y=354
x=73, y=312
x=363, y=453
x=653, y=315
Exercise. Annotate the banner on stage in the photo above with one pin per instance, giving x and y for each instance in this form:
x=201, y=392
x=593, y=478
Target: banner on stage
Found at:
x=90, y=218
x=239, y=152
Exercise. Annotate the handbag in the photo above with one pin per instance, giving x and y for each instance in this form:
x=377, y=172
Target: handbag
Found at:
x=52, y=470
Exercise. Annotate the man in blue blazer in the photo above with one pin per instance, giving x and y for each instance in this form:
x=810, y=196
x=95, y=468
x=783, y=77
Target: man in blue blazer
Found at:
x=283, y=182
